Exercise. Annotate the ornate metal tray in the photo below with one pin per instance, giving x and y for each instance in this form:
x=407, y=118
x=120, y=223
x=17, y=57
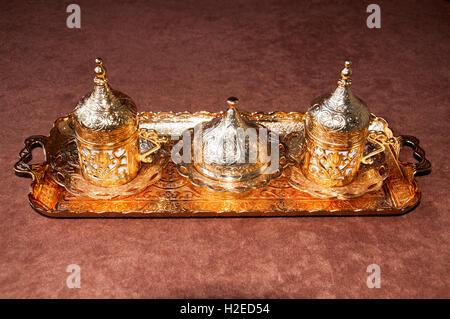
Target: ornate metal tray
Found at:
x=391, y=191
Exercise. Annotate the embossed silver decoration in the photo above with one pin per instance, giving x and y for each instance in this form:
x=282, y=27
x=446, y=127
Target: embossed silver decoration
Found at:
x=336, y=132
x=107, y=135
x=232, y=153
x=106, y=160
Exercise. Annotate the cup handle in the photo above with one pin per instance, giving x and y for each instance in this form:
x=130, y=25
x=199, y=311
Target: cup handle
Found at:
x=153, y=137
x=380, y=139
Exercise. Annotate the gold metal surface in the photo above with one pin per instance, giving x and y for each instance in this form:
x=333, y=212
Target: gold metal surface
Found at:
x=231, y=153
x=66, y=169
x=369, y=178
x=107, y=135
x=336, y=132
x=175, y=196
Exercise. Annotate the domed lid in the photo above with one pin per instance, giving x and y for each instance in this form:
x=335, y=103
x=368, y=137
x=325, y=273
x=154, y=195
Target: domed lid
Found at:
x=222, y=137
x=228, y=145
x=105, y=109
x=340, y=111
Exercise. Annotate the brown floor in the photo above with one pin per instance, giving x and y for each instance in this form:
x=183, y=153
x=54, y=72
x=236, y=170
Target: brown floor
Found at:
x=192, y=55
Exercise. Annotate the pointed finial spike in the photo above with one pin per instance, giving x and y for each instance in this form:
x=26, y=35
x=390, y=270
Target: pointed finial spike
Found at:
x=346, y=74
x=232, y=101
x=100, y=72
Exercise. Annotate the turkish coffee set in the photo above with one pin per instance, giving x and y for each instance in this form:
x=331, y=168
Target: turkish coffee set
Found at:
x=107, y=160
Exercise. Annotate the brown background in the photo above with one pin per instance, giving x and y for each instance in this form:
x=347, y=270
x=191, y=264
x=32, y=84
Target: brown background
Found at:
x=192, y=55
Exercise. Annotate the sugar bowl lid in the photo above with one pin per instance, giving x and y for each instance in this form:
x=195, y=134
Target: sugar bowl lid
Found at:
x=229, y=146
x=105, y=109
x=340, y=111
x=221, y=135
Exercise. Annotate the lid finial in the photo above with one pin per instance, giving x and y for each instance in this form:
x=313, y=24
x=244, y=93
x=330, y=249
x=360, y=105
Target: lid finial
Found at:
x=232, y=101
x=346, y=75
x=100, y=72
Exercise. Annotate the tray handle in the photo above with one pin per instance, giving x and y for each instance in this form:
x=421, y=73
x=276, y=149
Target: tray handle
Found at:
x=25, y=155
x=424, y=165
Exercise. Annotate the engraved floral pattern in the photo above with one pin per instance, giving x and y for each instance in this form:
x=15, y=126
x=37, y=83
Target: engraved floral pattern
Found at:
x=330, y=120
x=104, y=164
x=332, y=165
